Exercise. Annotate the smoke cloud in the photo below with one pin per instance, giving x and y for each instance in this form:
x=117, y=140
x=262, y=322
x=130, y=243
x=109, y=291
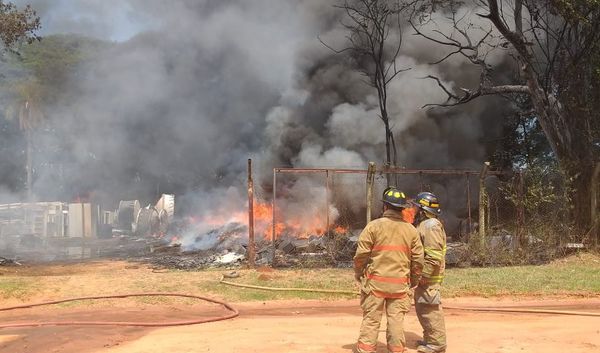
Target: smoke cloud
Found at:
x=191, y=89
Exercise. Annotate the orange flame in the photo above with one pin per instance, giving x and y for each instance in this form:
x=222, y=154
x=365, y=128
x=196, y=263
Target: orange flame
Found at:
x=299, y=226
x=408, y=214
x=340, y=230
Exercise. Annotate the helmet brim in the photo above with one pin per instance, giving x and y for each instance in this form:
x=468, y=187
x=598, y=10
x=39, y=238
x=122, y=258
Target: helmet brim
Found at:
x=397, y=205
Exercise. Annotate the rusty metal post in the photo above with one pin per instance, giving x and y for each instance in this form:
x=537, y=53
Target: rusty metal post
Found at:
x=251, y=244
x=327, y=192
x=520, y=209
x=273, y=210
x=482, y=202
x=83, y=240
x=470, y=219
x=370, y=181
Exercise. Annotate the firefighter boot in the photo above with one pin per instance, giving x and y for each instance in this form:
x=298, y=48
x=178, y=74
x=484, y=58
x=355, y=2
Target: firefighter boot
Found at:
x=430, y=348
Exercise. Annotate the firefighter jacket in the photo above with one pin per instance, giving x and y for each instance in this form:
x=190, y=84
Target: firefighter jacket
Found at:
x=389, y=257
x=433, y=237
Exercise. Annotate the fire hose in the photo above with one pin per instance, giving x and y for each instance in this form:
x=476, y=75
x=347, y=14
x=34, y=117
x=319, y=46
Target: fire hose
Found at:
x=233, y=312
x=480, y=309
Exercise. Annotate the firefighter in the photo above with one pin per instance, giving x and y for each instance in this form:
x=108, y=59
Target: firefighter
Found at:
x=387, y=264
x=428, y=303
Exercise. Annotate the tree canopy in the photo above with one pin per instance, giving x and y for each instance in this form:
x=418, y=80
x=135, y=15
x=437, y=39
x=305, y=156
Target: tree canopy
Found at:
x=18, y=25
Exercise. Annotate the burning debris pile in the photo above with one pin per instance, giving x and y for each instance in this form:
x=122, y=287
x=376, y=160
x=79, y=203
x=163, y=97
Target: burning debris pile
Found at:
x=216, y=242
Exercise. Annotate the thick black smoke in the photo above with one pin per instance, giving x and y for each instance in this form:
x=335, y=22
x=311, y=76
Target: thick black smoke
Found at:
x=203, y=85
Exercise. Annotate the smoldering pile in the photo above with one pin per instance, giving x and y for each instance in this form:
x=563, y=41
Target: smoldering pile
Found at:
x=227, y=246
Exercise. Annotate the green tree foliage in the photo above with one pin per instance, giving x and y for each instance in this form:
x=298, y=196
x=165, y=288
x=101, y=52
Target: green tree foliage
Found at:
x=17, y=25
x=55, y=61
x=556, y=46
x=43, y=79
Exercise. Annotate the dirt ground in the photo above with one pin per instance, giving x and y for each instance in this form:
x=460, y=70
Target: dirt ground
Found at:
x=301, y=326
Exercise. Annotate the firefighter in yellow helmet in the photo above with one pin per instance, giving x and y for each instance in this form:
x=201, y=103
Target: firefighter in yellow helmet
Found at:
x=428, y=302
x=388, y=261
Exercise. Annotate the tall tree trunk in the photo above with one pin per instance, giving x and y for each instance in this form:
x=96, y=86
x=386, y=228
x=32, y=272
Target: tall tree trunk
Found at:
x=394, y=156
x=577, y=163
x=570, y=143
x=581, y=198
x=388, y=147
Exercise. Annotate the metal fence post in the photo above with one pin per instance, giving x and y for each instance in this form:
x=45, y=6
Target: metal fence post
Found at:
x=370, y=181
x=520, y=209
x=273, y=208
x=469, y=219
x=327, y=192
x=251, y=245
x=482, y=202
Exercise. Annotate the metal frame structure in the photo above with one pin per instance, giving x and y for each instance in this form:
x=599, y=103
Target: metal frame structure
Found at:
x=330, y=172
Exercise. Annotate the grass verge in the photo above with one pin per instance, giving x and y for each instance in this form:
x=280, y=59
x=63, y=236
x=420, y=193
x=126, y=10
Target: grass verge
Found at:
x=17, y=288
x=577, y=276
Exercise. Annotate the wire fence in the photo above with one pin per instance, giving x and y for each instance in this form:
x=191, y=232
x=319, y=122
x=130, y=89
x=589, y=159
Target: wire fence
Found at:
x=320, y=212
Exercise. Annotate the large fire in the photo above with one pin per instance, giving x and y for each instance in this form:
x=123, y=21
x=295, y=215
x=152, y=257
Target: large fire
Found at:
x=295, y=225
x=298, y=226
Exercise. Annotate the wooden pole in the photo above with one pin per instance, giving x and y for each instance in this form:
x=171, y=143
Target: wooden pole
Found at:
x=251, y=245
x=370, y=181
x=482, y=202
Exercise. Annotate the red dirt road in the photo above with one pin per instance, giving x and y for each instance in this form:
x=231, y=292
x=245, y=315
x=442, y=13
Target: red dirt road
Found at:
x=304, y=326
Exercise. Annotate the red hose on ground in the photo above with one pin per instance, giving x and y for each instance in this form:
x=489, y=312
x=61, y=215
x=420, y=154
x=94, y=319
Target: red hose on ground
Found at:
x=233, y=313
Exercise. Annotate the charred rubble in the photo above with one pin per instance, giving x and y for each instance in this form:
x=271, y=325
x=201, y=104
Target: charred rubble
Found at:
x=227, y=246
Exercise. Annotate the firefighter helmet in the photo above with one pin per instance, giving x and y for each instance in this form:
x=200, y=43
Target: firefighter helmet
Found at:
x=429, y=202
x=394, y=197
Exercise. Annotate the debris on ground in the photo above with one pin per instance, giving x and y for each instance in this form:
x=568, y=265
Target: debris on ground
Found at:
x=457, y=254
x=226, y=247
x=232, y=274
x=8, y=262
x=229, y=258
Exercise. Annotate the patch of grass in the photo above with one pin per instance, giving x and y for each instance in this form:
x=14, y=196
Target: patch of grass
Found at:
x=576, y=275
x=16, y=287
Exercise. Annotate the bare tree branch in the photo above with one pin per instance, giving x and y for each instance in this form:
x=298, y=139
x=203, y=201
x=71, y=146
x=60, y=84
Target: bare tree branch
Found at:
x=469, y=95
x=555, y=45
x=369, y=26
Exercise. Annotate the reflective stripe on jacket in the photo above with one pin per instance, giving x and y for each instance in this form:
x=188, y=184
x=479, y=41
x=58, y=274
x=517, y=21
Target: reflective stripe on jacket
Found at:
x=433, y=237
x=389, y=253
